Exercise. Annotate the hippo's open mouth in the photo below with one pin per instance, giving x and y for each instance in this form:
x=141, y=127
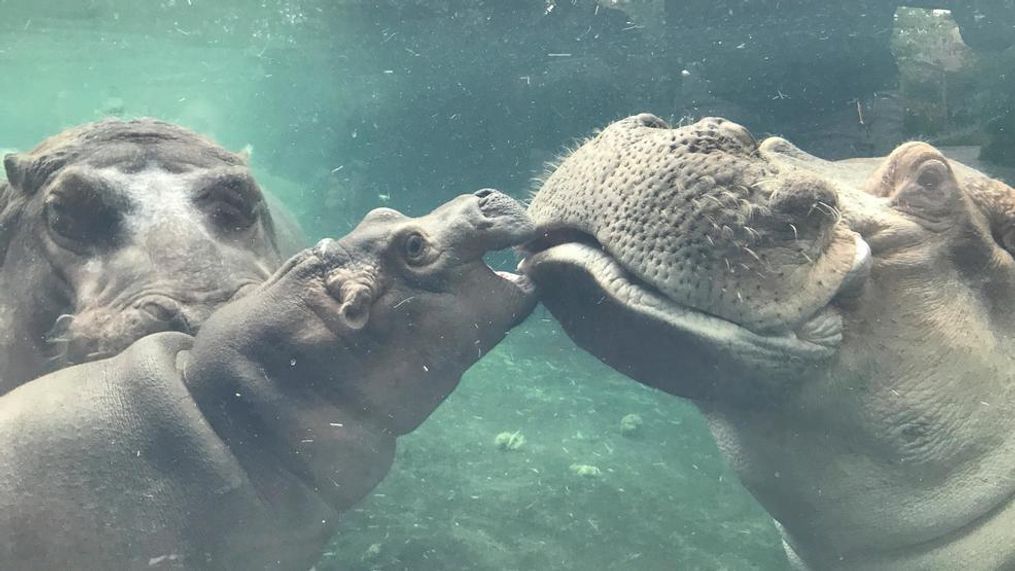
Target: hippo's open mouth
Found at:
x=586, y=287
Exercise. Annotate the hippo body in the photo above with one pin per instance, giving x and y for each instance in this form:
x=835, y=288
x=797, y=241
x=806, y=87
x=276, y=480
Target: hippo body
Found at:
x=847, y=328
x=238, y=447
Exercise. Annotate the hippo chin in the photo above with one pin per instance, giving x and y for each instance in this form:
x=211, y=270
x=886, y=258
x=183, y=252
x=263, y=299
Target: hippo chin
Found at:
x=847, y=328
x=238, y=447
x=114, y=230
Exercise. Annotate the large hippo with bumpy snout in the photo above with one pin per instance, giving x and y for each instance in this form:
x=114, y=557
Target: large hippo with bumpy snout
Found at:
x=847, y=328
x=240, y=446
x=114, y=230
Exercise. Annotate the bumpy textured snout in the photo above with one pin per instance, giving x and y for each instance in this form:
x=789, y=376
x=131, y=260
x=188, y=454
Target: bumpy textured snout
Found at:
x=697, y=214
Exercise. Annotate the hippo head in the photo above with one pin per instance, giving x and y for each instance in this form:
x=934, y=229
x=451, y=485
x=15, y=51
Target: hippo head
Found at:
x=417, y=303
x=689, y=238
x=848, y=328
x=356, y=341
x=115, y=230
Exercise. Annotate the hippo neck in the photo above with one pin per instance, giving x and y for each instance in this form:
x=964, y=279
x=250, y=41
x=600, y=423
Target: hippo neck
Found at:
x=294, y=446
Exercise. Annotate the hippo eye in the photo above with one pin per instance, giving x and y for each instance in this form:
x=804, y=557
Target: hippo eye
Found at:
x=232, y=202
x=81, y=220
x=415, y=248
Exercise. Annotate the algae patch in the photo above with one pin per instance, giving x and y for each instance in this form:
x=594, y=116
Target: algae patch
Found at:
x=509, y=440
x=631, y=425
x=586, y=470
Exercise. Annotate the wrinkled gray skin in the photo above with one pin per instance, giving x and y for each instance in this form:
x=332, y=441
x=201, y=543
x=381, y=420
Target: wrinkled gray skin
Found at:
x=847, y=328
x=239, y=447
x=115, y=230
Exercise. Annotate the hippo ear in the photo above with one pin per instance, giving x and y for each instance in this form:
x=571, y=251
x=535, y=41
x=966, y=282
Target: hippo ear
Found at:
x=245, y=153
x=355, y=314
x=17, y=167
x=355, y=299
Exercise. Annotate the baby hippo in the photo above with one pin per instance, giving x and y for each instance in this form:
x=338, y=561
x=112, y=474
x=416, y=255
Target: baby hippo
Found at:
x=240, y=447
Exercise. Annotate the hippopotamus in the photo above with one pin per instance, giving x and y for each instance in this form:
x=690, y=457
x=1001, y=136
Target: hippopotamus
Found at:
x=846, y=328
x=114, y=230
x=239, y=445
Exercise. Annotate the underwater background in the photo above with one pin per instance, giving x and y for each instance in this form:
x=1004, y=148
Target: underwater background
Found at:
x=543, y=458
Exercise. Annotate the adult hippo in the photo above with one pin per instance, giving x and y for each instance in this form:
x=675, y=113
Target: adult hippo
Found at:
x=847, y=328
x=114, y=230
x=239, y=447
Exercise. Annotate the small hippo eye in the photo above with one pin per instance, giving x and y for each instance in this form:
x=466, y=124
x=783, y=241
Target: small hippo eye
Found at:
x=414, y=247
x=932, y=173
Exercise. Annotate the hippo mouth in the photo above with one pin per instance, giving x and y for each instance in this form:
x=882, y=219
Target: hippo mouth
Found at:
x=520, y=281
x=618, y=316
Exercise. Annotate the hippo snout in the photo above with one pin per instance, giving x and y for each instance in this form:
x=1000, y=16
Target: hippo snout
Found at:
x=496, y=204
x=503, y=220
x=650, y=120
x=696, y=213
x=102, y=332
x=160, y=309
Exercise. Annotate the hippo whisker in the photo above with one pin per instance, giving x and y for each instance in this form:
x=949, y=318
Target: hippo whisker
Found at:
x=58, y=358
x=746, y=209
x=60, y=355
x=58, y=332
x=751, y=253
x=827, y=208
x=713, y=199
x=403, y=302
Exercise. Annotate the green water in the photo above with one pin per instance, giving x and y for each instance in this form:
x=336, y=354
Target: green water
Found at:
x=664, y=498
x=350, y=105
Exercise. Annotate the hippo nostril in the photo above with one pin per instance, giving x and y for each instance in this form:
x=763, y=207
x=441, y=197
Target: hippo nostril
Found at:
x=803, y=197
x=740, y=133
x=650, y=120
x=161, y=311
x=484, y=192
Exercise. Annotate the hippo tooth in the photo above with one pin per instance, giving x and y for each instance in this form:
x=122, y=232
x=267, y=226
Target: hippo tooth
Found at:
x=520, y=280
x=858, y=273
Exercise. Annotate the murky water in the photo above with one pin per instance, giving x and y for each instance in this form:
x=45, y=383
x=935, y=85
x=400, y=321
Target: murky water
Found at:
x=347, y=105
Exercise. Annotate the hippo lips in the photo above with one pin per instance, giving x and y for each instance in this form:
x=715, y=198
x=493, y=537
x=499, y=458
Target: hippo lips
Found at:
x=526, y=297
x=815, y=338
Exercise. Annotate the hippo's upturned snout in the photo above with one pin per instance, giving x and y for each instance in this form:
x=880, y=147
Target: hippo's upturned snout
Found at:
x=496, y=205
x=489, y=219
x=697, y=214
